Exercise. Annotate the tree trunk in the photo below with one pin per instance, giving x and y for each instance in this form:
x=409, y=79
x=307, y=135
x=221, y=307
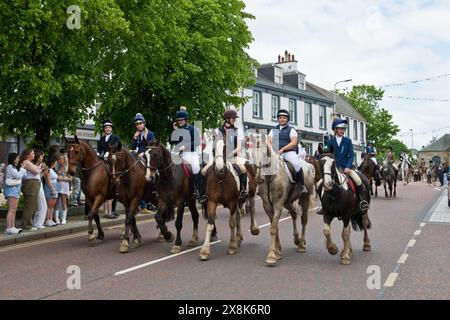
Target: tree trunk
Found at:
x=42, y=138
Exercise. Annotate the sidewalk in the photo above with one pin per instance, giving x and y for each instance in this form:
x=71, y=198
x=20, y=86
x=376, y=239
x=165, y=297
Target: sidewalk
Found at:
x=75, y=223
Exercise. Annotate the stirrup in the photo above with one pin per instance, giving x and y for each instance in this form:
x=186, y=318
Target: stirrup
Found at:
x=203, y=199
x=363, y=205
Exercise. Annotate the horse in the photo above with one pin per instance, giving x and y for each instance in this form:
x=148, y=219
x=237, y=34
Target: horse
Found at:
x=128, y=175
x=277, y=191
x=390, y=176
x=95, y=181
x=311, y=160
x=175, y=188
x=417, y=174
x=223, y=187
x=339, y=201
x=368, y=168
x=404, y=168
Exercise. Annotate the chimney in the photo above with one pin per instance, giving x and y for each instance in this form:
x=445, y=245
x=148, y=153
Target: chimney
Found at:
x=293, y=58
x=282, y=59
x=279, y=58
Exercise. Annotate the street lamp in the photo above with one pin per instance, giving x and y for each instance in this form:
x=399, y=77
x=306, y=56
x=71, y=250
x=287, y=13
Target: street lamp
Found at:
x=412, y=138
x=334, y=94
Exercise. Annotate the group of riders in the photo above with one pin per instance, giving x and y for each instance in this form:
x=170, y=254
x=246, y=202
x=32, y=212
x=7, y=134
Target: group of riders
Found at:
x=283, y=139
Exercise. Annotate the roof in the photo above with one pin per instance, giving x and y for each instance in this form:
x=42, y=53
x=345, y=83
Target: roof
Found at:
x=441, y=144
x=342, y=105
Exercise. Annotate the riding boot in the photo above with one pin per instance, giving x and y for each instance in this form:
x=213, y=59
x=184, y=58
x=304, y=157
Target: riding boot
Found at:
x=363, y=204
x=203, y=196
x=243, y=181
x=300, y=180
x=197, y=181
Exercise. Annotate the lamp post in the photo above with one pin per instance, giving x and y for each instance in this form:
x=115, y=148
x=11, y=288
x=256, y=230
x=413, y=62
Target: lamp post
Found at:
x=334, y=94
x=412, y=138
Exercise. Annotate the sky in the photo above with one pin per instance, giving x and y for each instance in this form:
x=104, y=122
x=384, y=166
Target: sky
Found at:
x=371, y=42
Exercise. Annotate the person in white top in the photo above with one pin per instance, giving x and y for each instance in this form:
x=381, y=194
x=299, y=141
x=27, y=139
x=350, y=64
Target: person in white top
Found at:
x=50, y=185
x=11, y=190
x=31, y=183
x=39, y=216
x=63, y=189
x=284, y=139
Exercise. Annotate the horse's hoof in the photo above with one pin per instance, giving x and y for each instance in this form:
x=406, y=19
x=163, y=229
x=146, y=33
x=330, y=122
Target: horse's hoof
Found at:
x=204, y=257
x=193, y=243
x=160, y=238
x=367, y=247
x=278, y=256
x=255, y=231
x=136, y=243
x=271, y=261
x=124, y=246
x=346, y=259
x=297, y=241
x=301, y=249
x=333, y=250
x=175, y=249
x=232, y=251
x=169, y=236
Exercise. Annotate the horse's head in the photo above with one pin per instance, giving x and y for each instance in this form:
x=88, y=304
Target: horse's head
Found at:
x=116, y=159
x=261, y=154
x=219, y=158
x=328, y=171
x=153, y=158
x=75, y=154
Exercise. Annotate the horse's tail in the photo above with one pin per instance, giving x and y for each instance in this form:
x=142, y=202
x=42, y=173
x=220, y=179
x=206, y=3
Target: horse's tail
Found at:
x=357, y=223
x=168, y=214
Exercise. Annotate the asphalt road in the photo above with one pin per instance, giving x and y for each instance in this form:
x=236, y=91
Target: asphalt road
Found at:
x=38, y=270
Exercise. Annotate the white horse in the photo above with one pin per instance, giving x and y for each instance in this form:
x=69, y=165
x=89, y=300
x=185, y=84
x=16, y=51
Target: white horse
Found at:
x=404, y=168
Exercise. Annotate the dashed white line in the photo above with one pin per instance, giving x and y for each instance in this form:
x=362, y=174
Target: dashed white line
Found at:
x=403, y=258
x=391, y=279
x=411, y=243
x=422, y=224
x=417, y=232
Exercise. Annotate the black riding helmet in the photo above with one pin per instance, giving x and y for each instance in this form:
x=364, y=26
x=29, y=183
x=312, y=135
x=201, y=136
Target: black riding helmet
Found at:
x=284, y=112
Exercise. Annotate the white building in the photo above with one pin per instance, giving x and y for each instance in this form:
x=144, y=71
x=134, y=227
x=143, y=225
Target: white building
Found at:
x=281, y=86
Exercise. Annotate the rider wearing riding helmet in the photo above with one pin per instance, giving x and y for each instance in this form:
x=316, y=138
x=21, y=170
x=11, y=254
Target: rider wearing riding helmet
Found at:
x=390, y=157
x=186, y=139
x=108, y=138
x=344, y=156
x=141, y=136
x=370, y=149
x=284, y=140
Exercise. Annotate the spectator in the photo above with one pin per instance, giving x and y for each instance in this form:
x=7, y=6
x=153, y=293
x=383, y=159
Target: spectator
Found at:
x=30, y=188
x=319, y=151
x=76, y=191
x=2, y=176
x=63, y=188
x=39, y=216
x=11, y=190
x=50, y=189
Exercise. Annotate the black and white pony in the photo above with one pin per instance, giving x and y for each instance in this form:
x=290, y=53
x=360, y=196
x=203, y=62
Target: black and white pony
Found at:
x=339, y=201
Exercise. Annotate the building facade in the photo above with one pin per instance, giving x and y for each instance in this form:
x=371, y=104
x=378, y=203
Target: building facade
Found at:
x=440, y=149
x=281, y=86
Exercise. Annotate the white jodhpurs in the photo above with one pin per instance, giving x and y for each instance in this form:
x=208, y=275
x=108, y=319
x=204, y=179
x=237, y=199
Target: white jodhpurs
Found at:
x=292, y=157
x=193, y=159
x=354, y=176
x=374, y=160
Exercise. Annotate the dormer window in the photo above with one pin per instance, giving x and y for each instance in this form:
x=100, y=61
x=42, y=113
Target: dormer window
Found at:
x=278, y=75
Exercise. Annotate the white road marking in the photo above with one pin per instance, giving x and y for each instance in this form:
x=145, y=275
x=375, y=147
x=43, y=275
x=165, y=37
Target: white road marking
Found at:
x=422, y=224
x=160, y=260
x=403, y=258
x=411, y=243
x=391, y=279
x=417, y=232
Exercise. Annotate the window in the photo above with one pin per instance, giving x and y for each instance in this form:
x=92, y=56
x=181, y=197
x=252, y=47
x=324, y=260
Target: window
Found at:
x=361, y=131
x=293, y=110
x=278, y=75
x=308, y=114
x=355, y=130
x=257, y=105
x=308, y=148
x=275, y=107
x=323, y=117
x=347, y=133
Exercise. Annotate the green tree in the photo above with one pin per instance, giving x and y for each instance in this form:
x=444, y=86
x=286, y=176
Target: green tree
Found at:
x=51, y=74
x=181, y=52
x=380, y=127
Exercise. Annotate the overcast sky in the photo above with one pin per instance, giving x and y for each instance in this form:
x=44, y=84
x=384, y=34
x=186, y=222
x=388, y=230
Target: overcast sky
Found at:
x=371, y=42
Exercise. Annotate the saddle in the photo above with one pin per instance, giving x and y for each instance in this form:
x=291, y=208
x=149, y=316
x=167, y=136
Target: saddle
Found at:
x=351, y=185
x=188, y=172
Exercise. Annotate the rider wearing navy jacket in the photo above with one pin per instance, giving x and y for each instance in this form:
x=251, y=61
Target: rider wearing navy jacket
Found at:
x=109, y=137
x=141, y=136
x=342, y=147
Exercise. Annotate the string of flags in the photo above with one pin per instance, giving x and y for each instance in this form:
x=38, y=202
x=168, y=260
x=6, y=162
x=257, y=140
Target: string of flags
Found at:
x=416, y=81
x=418, y=99
x=421, y=133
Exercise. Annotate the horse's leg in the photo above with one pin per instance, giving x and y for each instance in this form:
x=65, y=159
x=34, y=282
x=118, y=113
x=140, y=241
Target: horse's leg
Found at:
x=204, y=252
x=239, y=212
x=305, y=209
x=275, y=250
x=214, y=234
x=125, y=244
x=137, y=238
x=293, y=214
x=371, y=187
x=390, y=189
x=233, y=246
x=176, y=248
x=161, y=223
x=385, y=190
x=93, y=214
x=395, y=188
x=365, y=222
x=346, y=254
x=194, y=214
x=331, y=247
x=250, y=206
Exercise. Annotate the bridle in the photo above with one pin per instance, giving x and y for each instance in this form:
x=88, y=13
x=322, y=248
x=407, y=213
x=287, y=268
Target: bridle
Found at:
x=148, y=166
x=122, y=173
x=334, y=176
x=81, y=155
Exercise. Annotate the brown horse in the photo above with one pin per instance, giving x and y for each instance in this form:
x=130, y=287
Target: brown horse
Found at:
x=95, y=181
x=368, y=168
x=175, y=188
x=128, y=175
x=223, y=188
x=311, y=160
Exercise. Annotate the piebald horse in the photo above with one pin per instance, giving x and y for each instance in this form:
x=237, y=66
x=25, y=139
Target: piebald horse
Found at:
x=277, y=191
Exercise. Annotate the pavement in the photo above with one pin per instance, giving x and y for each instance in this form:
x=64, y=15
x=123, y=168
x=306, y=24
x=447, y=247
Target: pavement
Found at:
x=409, y=260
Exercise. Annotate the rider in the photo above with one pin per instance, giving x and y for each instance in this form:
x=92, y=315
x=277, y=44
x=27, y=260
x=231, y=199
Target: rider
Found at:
x=370, y=149
x=390, y=157
x=286, y=146
x=404, y=155
x=108, y=138
x=186, y=139
x=141, y=136
x=343, y=152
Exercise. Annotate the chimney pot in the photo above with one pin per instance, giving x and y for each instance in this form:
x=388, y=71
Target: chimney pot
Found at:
x=279, y=58
x=282, y=59
x=293, y=58
x=289, y=57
